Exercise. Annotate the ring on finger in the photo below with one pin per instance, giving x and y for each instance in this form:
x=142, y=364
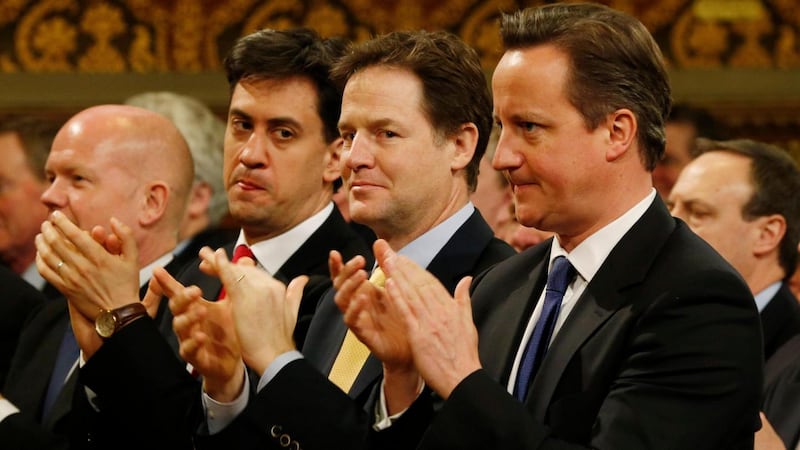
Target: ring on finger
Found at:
x=59, y=265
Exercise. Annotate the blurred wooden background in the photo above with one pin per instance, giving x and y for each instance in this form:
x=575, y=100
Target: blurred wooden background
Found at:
x=740, y=59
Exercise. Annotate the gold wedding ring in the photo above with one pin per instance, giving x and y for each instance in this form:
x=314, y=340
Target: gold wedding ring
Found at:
x=58, y=266
x=241, y=277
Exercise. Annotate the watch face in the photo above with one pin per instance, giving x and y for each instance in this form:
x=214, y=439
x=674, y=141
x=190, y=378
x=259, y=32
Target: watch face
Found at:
x=105, y=324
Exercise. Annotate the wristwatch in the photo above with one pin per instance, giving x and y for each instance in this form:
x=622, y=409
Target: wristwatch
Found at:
x=109, y=322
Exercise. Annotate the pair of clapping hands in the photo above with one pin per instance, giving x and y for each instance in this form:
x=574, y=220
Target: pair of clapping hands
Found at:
x=413, y=325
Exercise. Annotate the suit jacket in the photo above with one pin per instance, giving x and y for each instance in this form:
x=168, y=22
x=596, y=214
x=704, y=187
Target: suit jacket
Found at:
x=147, y=394
x=301, y=404
x=662, y=351
x=781, y=401
x=28, y=382
x=780, y=320
x=19, y=299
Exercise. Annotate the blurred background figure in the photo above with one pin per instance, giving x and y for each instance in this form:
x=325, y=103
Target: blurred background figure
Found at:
x=208, y=204
x=24, y=146
x=733, y=195
x=495, y=201
x=684, y=125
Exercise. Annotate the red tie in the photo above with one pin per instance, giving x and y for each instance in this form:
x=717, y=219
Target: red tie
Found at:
x=241, y=251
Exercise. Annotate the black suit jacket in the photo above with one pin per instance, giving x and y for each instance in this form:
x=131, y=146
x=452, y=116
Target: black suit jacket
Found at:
x=308, y=409
x=18, y=300
x=147, y=394
x=780, y=320
x=27, y=384
x=781, y=401
x=662, y=351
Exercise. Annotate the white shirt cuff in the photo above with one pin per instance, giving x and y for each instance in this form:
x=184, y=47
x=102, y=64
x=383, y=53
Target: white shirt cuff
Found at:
x=6, y=409
x=382, y=418
x=220, y=414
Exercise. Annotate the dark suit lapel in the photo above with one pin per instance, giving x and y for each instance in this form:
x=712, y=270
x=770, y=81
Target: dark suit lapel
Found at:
x=500, y=332
x=459, y=256
x=626, y=266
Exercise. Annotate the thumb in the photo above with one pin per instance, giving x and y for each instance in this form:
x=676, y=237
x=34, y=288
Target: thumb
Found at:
x=294, y=295
x=152, y=298
x=127, y=242
x=461, y=295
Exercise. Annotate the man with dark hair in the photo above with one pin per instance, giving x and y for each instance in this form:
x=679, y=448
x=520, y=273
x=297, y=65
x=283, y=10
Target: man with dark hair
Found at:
x=684, y=125
x=626, y=330
x=415, y=122
x=25, y=142
x=281, y=158
x=739, y=196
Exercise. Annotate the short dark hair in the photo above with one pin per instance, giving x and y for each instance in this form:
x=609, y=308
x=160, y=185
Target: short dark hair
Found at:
x=615, y=63
x=36, y=135
x=454, y=87
x=776, y=189
x=298, y=52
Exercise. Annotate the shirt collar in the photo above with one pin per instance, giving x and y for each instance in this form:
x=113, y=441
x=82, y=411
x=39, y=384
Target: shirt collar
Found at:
x=146, y=272
x=765, y=296
x=590, y=254
x=273, y=253
x=423, y=249
x=33, y=277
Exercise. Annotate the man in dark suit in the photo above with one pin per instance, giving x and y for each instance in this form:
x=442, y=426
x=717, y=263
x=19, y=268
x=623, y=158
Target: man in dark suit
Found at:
x=415, y=122
x=101, y=166
x=624, y=331
x=19, y=299
x=281, y=157
x=738, y=196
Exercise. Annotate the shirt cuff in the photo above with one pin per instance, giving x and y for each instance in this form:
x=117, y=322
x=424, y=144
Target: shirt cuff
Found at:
x=220, y=414
x=6, y=409
x=276, y=366
x=382, y=418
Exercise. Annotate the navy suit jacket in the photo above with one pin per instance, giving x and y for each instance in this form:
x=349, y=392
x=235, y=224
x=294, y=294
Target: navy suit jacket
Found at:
x=662, y=351
x=301, y=404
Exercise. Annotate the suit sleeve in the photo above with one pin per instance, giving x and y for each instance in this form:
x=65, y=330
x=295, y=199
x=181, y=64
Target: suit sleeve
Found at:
x=299, y=405
x=144, y=393
x=686, y=373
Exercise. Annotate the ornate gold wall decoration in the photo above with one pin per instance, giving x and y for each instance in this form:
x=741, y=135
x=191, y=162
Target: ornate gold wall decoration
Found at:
x=103, y=22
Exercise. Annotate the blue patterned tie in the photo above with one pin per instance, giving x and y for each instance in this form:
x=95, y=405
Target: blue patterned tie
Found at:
x=68, y=353
x=561, y=274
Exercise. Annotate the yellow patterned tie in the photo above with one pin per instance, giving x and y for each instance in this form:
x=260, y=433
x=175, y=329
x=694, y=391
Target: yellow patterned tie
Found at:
x=353, y=354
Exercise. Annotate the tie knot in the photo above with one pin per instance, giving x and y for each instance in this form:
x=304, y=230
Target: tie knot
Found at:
x=560, y=275
x=378, y=278
x=241, y=251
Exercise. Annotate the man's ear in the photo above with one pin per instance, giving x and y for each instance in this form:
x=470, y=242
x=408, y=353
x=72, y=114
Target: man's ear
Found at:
x=771, y=230
x=621, y=126
x=464, y=143
x=156, y=195
x=333, y=161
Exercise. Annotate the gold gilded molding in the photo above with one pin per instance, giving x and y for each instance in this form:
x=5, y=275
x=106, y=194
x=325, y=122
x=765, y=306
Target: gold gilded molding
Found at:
x=45, y=40
x=103, y=22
